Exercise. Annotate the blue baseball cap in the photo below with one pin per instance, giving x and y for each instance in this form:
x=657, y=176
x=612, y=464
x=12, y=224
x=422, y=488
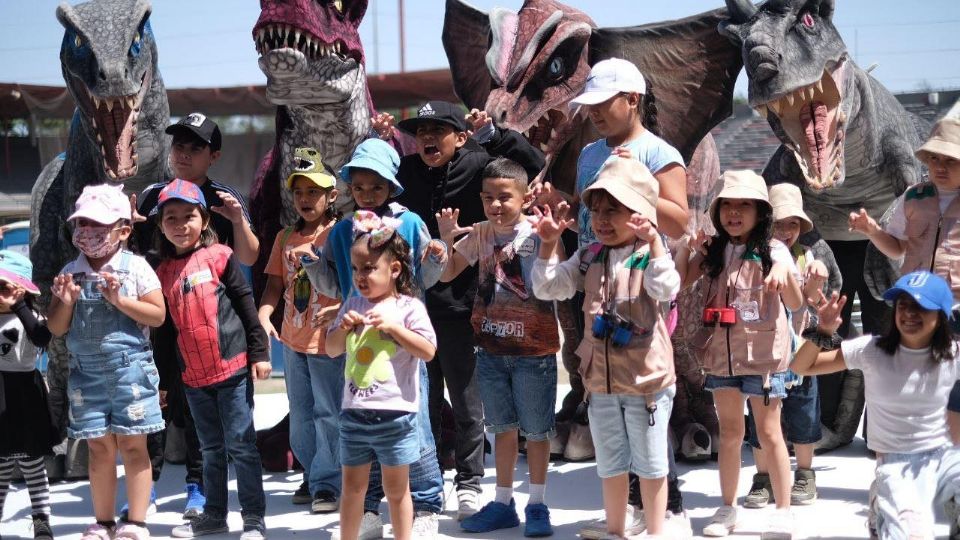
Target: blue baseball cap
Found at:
x=929, y=290
x=378, y=156
x=181, y=190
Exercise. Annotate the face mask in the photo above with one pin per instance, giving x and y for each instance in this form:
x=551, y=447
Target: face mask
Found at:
x=95, y=242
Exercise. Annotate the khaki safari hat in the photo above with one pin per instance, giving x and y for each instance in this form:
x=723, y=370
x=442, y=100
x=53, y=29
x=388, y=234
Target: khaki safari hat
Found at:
x=944, y=140
x=741, y=185
x=308, y=164
x=629, y=182
x=787, y=203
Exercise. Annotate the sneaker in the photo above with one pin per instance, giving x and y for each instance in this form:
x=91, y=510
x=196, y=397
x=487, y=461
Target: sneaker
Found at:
x=723, y=522
x=492, y=517
x=151, y=508
x=761, y=492
x=636, y=524
x=41, y=527
x=537, y=521
x=804, y=489
x=696, y=443
x=324, y=502
x=195, y=501
x=952, y=510
x=371, y=528
x=302, y=494
x=97, y=532
x=129, y=531
x=779, y=527
x=579, y=444
x=468, y=503
x=426, y=525
x=253, y=528
x=203, y=525
x=676, y=525
x=872, y=510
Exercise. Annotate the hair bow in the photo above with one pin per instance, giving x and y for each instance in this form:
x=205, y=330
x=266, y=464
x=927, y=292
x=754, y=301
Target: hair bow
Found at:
x=380, y=230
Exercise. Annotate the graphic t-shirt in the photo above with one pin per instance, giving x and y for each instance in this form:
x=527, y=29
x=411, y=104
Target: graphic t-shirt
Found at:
x=380, y=374
x=507, y=318
x=301, y=303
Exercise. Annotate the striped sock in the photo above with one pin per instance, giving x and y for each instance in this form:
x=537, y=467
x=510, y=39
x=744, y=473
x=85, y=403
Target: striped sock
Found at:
x=6, y=472
x=35, y=474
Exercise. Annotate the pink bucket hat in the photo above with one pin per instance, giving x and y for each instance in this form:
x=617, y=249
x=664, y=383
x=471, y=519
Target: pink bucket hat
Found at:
x=102, y=203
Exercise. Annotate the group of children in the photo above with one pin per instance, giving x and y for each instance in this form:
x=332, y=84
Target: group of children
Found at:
x=453, y=258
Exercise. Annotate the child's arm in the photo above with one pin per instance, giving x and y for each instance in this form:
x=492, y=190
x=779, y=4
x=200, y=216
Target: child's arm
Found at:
x=246, y=245
x=550, y=278
x=809, y=359
x=147, y=309
x=37, y=332
x=499, y=142
x=449, y=230
x=689, y=268
x=660, y=279
x=65, y=295
x=887, y=244
x=414, y=343
x=241, y=298
x=268, y=303
x=433, y=257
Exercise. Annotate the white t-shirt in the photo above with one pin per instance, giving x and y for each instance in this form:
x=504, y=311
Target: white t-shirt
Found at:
x=897, y=226
x=906, y=395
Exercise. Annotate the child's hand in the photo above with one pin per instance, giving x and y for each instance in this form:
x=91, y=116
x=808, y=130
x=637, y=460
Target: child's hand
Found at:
x=135, y=216
x=830, y=312
x=325, y=316
x=447, y=223
x=110, y=288
x=231, y=208
x=699, y=243
x=551, y=225
x=268, y=327
x=294, y=255
x=816, y=275
x=544, y=194
x=861, y=222
x=163, y=399
x=777, y=279
x=477, y=119
x=436, y=249
x=261, y=370
x=623, y=152
x=10, y=294
x=376, y=320
x=643, y=228
x=383, y=125
x=65, y=289
x=351, y=320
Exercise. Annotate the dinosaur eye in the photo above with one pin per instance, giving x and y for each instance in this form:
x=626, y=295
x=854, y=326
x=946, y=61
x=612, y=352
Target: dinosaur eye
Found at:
x=77, y=41
x=807, y=20
x=555, y=69
x=136, y=39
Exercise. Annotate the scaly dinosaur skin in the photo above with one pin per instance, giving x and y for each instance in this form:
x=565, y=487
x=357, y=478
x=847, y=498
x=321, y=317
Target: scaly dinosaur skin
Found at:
x=313, y=59
x=109, y=62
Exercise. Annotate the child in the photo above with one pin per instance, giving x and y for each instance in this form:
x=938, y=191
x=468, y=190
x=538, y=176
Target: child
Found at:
x=517, y=342
x=385, y=333
x=908, y=374
x=371, y=175
x=801, y=407
x=222, y=347
x=744, y=345
x=923, y=228
x=104, y=301
x=314, y=380
x=26, y=430
x=627, y=360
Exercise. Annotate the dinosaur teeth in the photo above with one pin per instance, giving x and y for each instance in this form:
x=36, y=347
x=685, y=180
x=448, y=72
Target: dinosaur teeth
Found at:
x=762, y=111
x=96, y=101
x=775, y=107
x=789, y=98
x=109, y=105
x=819, y=86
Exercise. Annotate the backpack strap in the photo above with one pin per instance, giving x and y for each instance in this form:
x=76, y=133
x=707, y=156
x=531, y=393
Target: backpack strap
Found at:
x=591, y=254
x=285, y=236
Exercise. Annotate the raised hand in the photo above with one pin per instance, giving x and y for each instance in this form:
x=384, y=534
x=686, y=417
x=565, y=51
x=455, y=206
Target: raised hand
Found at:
x=10, y=294
x=643, y=228
x=383, y=125
x=830, y=312
x=135, y=216
x=436, y=249
x=65, y=289
x=815, y=275
x=230, y=209
x=544, y=194
x=622, y=151
x=325, y=316
x=378, y=321
x=700, y=242
x=295, y=253
x=477, y=120
x=447, y=223
x=110, y=288
x=550, y=225
x=861, y=222
x=777, y=279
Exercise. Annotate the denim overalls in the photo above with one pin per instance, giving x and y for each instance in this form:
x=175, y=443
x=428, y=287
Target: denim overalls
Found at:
x=113, y=382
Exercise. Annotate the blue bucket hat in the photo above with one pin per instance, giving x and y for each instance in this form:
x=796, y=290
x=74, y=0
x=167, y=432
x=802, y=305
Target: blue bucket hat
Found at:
x=18, y=270
x=378, y=156
x=929, y=290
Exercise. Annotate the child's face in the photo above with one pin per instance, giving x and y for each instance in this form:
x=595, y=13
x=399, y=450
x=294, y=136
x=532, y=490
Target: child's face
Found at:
x=191, y=161
x=181, y=224
x=374, y=274
x=915, y=324
x=437, y=142
x=503, y=201
x=368, y=189
x=738, y=217
x=787, y=230
x=944, y=171
x=615, y=115
x=608, y=219
x=310, y=200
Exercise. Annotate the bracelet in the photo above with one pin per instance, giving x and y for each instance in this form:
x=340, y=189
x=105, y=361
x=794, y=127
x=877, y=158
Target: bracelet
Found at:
x=826, y=343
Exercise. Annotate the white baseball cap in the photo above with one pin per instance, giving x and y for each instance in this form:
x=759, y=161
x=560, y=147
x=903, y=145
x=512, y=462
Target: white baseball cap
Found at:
x=608, y=78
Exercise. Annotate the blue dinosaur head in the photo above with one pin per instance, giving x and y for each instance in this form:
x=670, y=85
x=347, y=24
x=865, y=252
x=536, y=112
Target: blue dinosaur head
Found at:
x=800, y=79
x=109, y=57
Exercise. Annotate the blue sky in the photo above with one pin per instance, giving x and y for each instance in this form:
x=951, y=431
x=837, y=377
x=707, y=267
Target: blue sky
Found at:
x=206, y=43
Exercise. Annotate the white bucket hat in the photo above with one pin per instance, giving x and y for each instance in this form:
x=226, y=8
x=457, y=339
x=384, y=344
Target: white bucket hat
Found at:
x=787, y=203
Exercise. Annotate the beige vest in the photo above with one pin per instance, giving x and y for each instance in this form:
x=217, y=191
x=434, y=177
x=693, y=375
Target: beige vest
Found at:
x=759, y=345
x=644, y=366
x=933, y=240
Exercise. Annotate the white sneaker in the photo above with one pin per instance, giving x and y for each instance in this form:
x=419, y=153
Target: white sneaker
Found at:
x=426, y=525
x=468, y=503
x=779, y=526
x=677, y=526
x=723, y=522
x=636, y=524
x=371, y=528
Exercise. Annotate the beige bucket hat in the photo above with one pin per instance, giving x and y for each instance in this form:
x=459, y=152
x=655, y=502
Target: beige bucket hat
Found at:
x=944, y=140
x=787, y=203
x=629, y=182
x=741, y=185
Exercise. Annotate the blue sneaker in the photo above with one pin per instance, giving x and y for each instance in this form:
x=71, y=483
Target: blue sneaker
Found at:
x=538, y=521
x=151, y=508
x=195, y=501
x=492, y=517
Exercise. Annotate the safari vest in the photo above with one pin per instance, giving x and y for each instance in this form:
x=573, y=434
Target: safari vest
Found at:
x=758, y=343
x=933, y=239
x=644, y=365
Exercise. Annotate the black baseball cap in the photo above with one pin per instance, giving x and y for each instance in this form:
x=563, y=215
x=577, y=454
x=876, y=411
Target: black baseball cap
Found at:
x=201, y=126
x=436, y=111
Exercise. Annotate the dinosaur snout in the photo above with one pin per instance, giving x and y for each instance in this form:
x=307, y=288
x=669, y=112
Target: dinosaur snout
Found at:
x=763, y=63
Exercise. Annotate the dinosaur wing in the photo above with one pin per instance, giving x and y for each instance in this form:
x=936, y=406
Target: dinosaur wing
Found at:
x=690, y=68
x=466, y=39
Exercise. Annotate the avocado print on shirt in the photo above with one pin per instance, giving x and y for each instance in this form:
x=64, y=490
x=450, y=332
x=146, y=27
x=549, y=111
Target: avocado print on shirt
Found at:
x=368, y=360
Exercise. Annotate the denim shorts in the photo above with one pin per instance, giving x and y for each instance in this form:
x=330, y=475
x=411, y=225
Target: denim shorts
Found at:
x=623, y=437
x=749, y=385
x=518, y=392
x=390, y=437
x=800, y=415
x=113, y=393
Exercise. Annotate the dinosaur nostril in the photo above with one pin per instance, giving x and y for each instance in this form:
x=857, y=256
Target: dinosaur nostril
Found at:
x=502, y=117
x=103, y=75
x=763, y=63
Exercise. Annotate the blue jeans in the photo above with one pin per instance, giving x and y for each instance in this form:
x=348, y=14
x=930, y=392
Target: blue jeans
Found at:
x=223, y=414
x=426, y=480
x=315, y=392
x=369, y=435
x=518, y=392
x=749, y=385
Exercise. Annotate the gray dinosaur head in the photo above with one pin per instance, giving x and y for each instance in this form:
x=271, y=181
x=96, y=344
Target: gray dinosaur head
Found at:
x=801, y=79
x=108, y=57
